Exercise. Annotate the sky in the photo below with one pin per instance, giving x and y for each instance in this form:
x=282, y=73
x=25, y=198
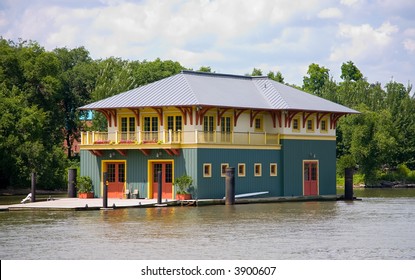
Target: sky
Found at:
x=230, y=36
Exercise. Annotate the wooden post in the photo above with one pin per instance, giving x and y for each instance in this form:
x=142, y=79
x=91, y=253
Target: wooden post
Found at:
x=348, y=184
x=105, y=191
x=72, y=182
x=230, y=186
x=33, y=187
x=159, y=187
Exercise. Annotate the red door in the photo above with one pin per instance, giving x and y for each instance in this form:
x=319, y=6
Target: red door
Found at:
x=166, y=169
x=310, y=178
x=116, y=179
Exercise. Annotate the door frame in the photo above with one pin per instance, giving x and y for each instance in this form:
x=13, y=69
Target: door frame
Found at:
x=150, y=178
x=318, y=173
x=104, y=169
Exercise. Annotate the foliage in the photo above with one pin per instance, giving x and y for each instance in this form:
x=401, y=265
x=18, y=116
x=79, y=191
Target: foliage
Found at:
x=84, y=184
x=183, y=183
x=317, y=77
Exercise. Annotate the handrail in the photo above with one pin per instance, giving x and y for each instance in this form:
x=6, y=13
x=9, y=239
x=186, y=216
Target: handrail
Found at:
x=179, y=137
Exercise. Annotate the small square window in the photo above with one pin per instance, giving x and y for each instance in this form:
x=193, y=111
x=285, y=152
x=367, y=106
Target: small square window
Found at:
x=223, y=167
x=241, y=169
x=207, y=170
x=257, y=169
x=273, y=169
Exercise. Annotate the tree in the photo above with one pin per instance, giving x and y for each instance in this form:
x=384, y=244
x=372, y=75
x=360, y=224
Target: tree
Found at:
x=205, y=69
x=277, y=76
x=350, y=72
x=317, y=77
x=256, y=72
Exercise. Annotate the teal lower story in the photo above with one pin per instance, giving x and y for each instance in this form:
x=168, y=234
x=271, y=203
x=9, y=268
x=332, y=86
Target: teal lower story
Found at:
x=298, y=168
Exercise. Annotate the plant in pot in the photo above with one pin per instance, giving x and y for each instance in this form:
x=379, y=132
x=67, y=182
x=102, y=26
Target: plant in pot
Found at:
x=183, y=184
x=85, y=188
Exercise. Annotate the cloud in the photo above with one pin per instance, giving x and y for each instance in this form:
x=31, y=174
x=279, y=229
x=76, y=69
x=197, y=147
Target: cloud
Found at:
x=409, y=45
x=362, y=41
x=330, y=13
x=349, y=2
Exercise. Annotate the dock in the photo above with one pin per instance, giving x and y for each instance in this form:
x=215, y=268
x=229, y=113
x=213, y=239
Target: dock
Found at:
x=77, y=204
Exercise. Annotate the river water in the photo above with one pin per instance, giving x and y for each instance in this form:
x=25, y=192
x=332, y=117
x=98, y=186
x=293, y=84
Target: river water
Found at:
x=381, y=226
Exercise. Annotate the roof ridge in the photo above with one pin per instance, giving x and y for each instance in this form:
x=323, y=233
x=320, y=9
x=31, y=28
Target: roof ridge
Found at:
x=224, y=75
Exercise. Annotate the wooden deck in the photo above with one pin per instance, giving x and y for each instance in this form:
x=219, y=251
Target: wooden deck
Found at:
x=96, y=203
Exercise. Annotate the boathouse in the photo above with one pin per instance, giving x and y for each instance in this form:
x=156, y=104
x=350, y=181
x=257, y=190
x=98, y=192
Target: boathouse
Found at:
x=279, y=139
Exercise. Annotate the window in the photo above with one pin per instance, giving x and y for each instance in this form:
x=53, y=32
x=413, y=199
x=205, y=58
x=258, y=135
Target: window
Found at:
x=223, y=167
x=207, y=170
x=273, y=169
x=174, y=123
x=225, y=128
x=241, y=169
x=296, y=124
x=257, y=169
x=310, y=125
x=208, y=128
x=127, y=128
x=323, y=125
x=151, y=128
x=259, y=124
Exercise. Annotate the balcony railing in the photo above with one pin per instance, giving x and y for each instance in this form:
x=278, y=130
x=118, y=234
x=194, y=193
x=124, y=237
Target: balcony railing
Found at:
x=179, y=137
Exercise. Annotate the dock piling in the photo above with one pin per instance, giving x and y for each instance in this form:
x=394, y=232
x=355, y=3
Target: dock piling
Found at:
x=159, y=185
x=72, y=182
x=348, y=184
x=230, y=186
x=105, y=190
x=33, y=188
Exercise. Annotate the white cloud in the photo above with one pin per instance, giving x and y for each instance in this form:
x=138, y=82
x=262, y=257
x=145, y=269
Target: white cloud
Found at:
x=409, y=45
x=349, y=2
x=363, y=41
x=330, y=13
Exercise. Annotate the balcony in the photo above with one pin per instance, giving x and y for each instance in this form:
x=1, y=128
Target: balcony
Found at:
x=146, y=139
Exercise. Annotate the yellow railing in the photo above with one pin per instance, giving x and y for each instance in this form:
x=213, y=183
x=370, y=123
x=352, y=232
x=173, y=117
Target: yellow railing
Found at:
x=180, y=137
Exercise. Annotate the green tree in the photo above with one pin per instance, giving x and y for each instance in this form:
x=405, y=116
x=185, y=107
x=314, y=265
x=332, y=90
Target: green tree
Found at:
x=317, y=77
x=256, y=72
x=277, y=76
x=350, y=72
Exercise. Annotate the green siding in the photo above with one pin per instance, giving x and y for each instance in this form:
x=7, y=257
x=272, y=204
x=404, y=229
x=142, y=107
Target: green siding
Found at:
x=289, y=162
x=295, y=151
x=214, y=187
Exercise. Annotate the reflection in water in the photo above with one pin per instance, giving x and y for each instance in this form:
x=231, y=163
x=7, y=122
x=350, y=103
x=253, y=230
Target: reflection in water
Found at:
x=375, y=228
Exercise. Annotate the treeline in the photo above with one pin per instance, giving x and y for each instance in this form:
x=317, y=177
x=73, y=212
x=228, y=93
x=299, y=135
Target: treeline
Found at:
x=41, y=90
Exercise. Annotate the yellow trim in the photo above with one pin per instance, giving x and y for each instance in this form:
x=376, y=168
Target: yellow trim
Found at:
x=307, y=137
x=242, y=174
x=273, y=174
x=104, y=169
x=150, y=177
x=318, y=173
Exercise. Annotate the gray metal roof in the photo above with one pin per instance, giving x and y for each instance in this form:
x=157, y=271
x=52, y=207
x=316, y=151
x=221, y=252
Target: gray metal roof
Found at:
x=219, y=90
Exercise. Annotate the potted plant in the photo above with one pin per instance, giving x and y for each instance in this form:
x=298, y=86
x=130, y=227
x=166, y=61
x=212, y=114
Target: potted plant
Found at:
x=183, y=184
x=84, y=186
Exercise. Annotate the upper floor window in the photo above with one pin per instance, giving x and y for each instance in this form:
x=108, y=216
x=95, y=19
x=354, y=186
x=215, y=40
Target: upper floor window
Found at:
x=241, y=169
x=207, y=170
x=323, y=125
x=296, y=124
x=174, y=123
x=259, y=126
x=223, y=167
x=310, y=125
x=127, y=128
x=257, y=169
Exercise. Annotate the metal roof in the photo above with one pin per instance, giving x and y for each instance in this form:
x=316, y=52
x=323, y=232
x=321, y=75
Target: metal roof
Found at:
x=190, y=88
